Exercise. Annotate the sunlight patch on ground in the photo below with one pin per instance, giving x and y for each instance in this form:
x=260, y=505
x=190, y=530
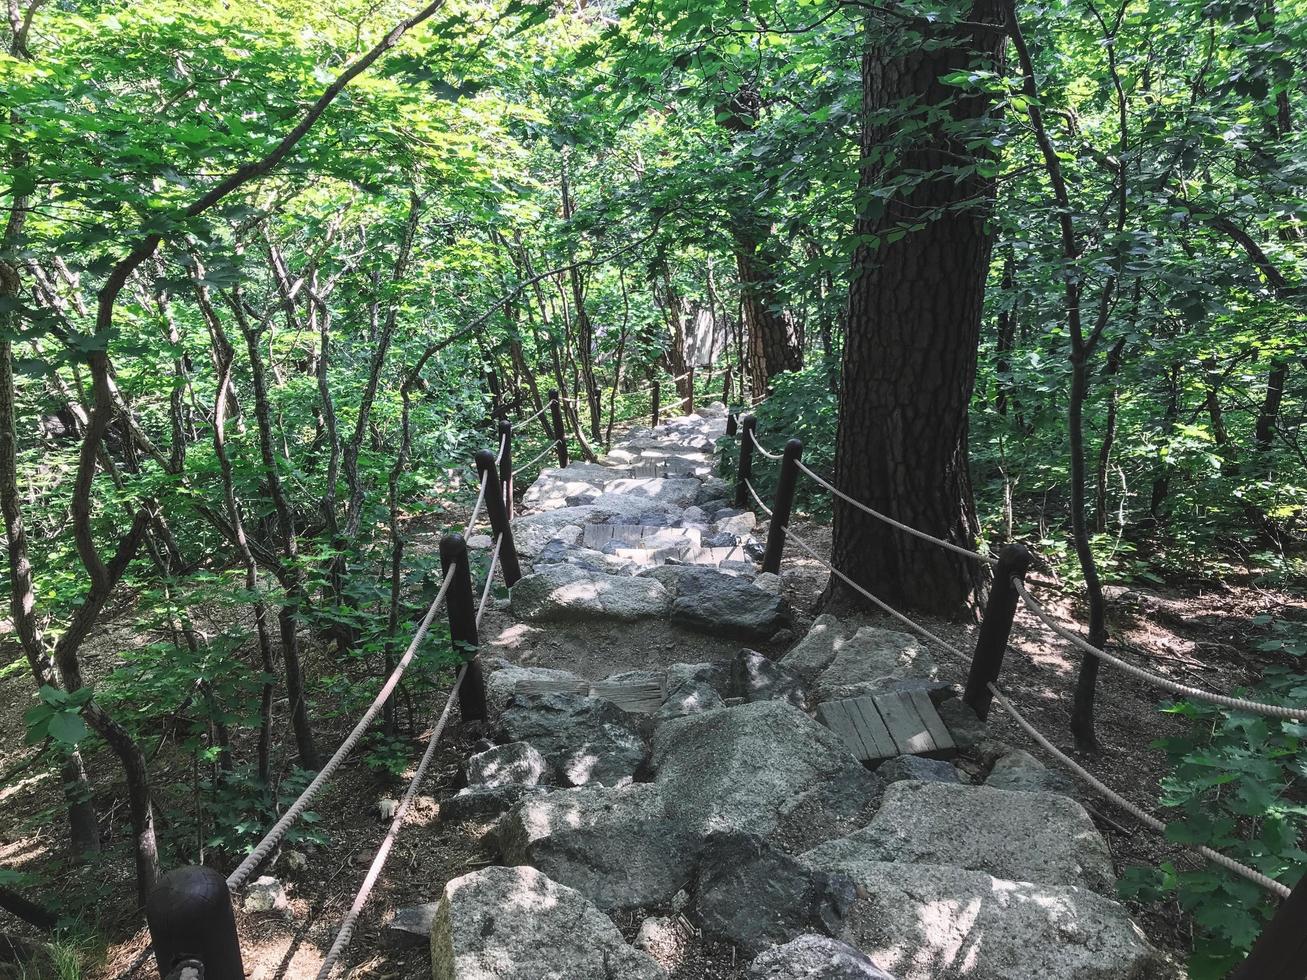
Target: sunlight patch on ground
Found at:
x=512, y=637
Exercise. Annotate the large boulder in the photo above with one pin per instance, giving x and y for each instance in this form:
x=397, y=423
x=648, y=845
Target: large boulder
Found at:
x=872, y=660
x=565, y=593
x=930, y=922
x=814, y=957
x=756, y=678
x=485, y=803
x=1036, y=837
x=737, y=768
x=834, y=808
x=517, y=763
x=673, y=491
x=814, y=653
x=585, y=740
x=498, y=923
x=502, y=679
x=617, y=847
x=554, y=486
x=754, y=896
x=711, y=601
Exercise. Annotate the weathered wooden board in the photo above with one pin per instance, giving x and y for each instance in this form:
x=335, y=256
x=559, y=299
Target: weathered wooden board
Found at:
x=634, y=698
x=549, y=686
x=886, y=725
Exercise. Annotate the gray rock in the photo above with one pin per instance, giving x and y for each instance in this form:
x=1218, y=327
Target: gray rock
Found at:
x=503, y=677
x=556, y=553
x=928, y=922
x=689, y=698
x=694, y=515
x=1035, y=837
x=735, y=769
x=835, y=808
x=617, y=847
x=919, y=768
x=553, y=486
x=673, y=491
x=409, y=927
x=755, y=678
x=711, y=490
x=723, y=539
x=768, y=582
x=484, y=803
x=480, y=542
x=711, y=601
x=531, y=532
x=872, y=656
x=266, y=894
x=750, y=894
x=1021, y=771
x=737, y=524
x=814, y=957
x=814, y=653
x=962, y=722
x=716, y=674
x=585, y=740
x=516, y=762
x=565, y=593
x=500, y=923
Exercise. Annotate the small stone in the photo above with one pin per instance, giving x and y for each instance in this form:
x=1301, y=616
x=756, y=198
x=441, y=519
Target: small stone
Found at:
x=768, y=582
x=1019, y=770
x=409, y=927
x=814, y=957
x=480, y=542
x=679, y=901
x=265, y=895
x=917, y=767
x=660, y=938
x=294, y=860
x=386, y=809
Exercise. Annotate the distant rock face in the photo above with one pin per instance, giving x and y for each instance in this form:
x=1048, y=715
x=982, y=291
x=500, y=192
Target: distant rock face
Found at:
x=814, y=957
x=736, y=769
x=750, y=894
x=498, y=923
x=566, y=593
x=1018, y=836
x=618, y=847
x=585, y=740
x=930, y=922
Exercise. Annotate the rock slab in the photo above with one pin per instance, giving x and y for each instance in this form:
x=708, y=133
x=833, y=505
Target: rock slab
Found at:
x=585, y=740
x=814, y=957
x=567, y=593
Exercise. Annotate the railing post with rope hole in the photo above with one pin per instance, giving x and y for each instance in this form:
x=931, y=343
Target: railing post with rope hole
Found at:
x=995, y=628
x=780, y=512
x=731, y=424
x=497, y=511
x=656, y=403
x=556, y=413
x=749, y=425
x=1280, y=952
x=506, y=464
x=461, y=607
x=190, y=918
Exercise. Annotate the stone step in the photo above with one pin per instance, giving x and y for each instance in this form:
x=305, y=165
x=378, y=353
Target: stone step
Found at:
x=647, y=536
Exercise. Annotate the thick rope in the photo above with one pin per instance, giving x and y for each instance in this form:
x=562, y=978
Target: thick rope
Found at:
x=490, y=578
x=957, y=549
x=1256, y=877
x=539, y=456
x=346, y=931
x=1184, y=690
x=533, y=416
x=760, y=447
x=756, y=499
x=476, y=508
x=256, y=857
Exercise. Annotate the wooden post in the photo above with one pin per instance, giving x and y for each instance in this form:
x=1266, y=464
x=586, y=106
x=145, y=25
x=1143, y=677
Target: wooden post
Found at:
x=506, y=464
x=689, y=405
x=461, y=608
x=497, y=511
x=750, y=425
x=1280, y=952
x=560, y=434
x=782, y=505
x=726, y=387
x=731, y=425
x=987, y=661
x=190, y=918
x=657, y=400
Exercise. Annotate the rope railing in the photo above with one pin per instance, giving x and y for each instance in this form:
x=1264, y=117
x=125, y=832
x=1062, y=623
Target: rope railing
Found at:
x=539, y=456
x=490, y=578
x=270, y=840
x=1166, y=684
x=476, y=509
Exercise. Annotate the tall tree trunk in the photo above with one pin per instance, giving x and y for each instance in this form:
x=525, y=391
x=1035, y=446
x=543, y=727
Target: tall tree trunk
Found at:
x=909, y=363
x=772, y=346
x=1109, y=434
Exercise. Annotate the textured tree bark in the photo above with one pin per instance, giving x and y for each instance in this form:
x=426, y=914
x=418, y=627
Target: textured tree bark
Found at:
x=909, y=362
x=771, y=343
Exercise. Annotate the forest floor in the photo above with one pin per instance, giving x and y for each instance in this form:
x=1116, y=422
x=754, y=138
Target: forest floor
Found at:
x=1203, y=635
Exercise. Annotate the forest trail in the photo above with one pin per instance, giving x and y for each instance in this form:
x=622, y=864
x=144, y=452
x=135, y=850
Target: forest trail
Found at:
x=658, y=755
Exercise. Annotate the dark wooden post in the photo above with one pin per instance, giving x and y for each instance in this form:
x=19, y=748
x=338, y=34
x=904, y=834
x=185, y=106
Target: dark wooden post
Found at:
x=1280, y=952
x=726, y=387
x=782, y=505
x=506, y=464
x=500, y=523
x=657, y=402
x=461, y=607
x=987, y=661
x=730, y=423
x=560, y=434
x=689, y=404
x=190, y=918
x=750, y=425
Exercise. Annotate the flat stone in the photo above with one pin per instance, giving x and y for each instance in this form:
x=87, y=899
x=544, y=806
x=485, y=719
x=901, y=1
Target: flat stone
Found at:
x=1019, y=770
x=554, y=486
x=962, y=722
x=834, y=808
x=814, y=653
x=484, y=803
x=711, y=601
x=410, y=927
x=756, y=678
x=564, y=593
x=618, y=847
x=266, y=894
x=737, y=524
x=498, y=923
x=875, y=657
x=532, y=532
x=754, y=896
x=919, y=768
x=768, y=582
x=932, y=922
x=502, y=679
x=557, y=553
x=585, y=740
x=1037, y=837
x=815, y=957
x=515, y=763
x=736, y=768
x=689, y=698
x=676, y=492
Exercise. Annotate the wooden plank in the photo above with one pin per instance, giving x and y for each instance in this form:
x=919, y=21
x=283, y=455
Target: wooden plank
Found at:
x=934, y=723
x=834, y=716
x=905, y=725
x=634, y=698
x=547, y=685
x=875, y=732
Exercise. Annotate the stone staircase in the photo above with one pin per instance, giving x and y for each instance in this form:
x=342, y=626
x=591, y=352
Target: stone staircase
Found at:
x=739, y=801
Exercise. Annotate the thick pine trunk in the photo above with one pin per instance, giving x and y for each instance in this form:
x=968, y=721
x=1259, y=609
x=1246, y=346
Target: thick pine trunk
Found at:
x=772, y=346
x=909, y=361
